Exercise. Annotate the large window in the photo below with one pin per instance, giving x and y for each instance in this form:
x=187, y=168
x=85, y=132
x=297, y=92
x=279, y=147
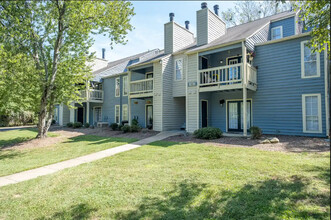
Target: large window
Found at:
x=276, y=32
x=125, y=85
x=117, y=87
x=117, y=114
x=179, y=69
x=97, y=114
x=310, y=62
x=311, y=112
x=125, y=112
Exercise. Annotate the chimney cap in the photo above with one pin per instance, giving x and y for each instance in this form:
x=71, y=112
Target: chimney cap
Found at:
x=171, y=15
x=187, y=22
x=216, y=6
x=203, y=5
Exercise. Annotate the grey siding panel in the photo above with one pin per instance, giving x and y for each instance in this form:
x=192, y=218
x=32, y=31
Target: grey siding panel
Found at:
x=202, y=27
x=66, y=115
x=168, y=38
x=157, y=98
x=176, y=37
x=278, y=100
x=288, y=25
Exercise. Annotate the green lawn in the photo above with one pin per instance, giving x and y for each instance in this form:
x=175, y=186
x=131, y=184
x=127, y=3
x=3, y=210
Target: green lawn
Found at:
x=16, y=160
x=166, y=180
x=17, y=136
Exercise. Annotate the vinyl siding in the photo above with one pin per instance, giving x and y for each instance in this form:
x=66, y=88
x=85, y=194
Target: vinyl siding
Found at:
x=288, y=25
x=176, y=37
x=168, y=37
x=202, y=27
x=66, y=115
x=277, y=102
x=258, y=37
x=138, y=110
x=157, y=98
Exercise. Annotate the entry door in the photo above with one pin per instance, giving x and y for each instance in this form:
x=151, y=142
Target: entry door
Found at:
x=204, y=113
x=234, y=72
x=235, y=115
x=149, y=115
x=80, y=115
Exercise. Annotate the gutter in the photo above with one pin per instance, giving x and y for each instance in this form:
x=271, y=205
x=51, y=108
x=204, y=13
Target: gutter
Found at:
x=215, y=47
x=117, y=74
x=150, y=62
x=284, y=39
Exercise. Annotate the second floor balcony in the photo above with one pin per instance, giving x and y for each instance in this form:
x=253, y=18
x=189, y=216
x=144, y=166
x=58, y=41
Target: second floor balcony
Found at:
x=92, y=95
x=141, y=88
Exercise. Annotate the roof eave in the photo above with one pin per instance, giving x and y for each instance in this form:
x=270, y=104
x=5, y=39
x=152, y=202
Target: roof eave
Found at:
x=215, y=47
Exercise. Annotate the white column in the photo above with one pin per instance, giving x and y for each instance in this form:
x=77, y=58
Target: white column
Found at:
x=244, y=52
x=87, y=112
x=72, y=113
x=129, y=100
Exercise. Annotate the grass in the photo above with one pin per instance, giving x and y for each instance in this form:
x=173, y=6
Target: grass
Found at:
x=167, y=180
x=16, y=160
x=18, y=136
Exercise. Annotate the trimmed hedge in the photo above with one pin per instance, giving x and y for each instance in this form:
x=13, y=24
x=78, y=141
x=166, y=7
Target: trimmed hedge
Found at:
x=77, y=125
x=256, y=132
x=208, y=133
x=126, y=128
x=86, y=125
x=70, y=124
x=135, y=128
x=114, y=126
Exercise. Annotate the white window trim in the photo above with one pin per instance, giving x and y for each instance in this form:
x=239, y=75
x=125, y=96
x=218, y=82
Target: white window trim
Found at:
x=119, y=94
x=175, y=73
x=127, y=108
x=127, y=79
x=319, y=112
x=281, y=32
x=94, y=119
x=119, y=116
x=318, y=67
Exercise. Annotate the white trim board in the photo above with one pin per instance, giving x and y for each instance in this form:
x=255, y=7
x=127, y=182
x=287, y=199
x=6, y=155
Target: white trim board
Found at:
x=318, y=63
x=226, y=111
x=319, y=112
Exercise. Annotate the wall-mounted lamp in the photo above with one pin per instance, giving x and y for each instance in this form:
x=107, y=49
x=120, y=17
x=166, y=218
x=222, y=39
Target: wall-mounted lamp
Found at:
x=222, y=102
x=221, y=61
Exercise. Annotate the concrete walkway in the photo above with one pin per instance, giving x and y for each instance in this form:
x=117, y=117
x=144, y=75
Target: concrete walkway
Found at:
x=42, y=171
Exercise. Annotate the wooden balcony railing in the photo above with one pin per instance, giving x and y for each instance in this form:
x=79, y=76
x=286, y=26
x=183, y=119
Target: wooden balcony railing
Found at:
x=141, y=86
x=93, y=95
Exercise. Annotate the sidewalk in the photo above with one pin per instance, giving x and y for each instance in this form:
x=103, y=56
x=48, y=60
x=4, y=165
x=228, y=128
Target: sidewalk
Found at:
x=42, y=171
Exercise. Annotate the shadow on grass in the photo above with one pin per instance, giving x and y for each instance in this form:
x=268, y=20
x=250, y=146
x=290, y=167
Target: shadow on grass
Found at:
x=166, y=143
x=9, y=154
x=269, y=199
x=93, y=140
x=79, y=211
x=10, y=142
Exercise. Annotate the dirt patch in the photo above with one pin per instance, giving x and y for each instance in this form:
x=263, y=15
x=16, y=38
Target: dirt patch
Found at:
x=286, y=144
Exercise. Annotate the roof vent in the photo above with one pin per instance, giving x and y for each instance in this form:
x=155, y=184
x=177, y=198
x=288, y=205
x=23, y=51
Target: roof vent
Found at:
x=216, y=7
x=171, y=15
x=203, y=5
x=187, y=25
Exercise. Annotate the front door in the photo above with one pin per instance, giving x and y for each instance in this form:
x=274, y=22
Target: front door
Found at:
x=149, y=115
x=235, y=115
x=204, y=113
x=234, y=72
x=80, y=115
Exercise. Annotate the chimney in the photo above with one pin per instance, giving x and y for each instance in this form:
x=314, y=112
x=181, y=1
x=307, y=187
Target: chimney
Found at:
x=187, y=25
x=216, y=7
x=103, y=53
x=171, y=15
x=209, y=25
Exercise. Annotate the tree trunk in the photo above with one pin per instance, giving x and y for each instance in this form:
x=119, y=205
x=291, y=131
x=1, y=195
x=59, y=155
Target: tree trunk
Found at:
x=42, y=117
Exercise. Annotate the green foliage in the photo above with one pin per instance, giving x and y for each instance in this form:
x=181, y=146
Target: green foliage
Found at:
x=47, y=42
x=114, y=126
x=87, y=125
x=208, y=133
x=126, y=128
x=70, y=124
x=256, y=132
x=135, y=128
x=134, y=122
x=77, y=125
x=120, y=127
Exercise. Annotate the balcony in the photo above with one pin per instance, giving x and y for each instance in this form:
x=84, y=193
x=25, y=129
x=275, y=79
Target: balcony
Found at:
x=227, y=78
x=93, y=95
x=141, y=88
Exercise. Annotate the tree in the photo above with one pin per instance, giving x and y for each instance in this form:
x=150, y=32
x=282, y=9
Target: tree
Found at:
x=316, y=14
x=56, y=36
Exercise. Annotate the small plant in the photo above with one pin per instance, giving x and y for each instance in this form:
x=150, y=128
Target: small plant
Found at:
x=256, y=132
x=120, y=127
x=77, y=125
x=208, y=133
x=135, y=128
x=134, y=122
x=114, y=126
x=87, y=125
x=126, y=128
x=70, y=124
x=92, y=126
x=53, y=122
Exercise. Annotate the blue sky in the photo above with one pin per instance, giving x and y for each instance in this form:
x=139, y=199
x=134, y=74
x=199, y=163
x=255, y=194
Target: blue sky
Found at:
x=148, y=22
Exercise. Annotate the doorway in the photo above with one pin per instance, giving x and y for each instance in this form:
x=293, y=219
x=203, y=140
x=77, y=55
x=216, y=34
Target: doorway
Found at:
x=80, y=115
x=234, y=72
x=149, y=116
x=236, y=117
x=204, y=113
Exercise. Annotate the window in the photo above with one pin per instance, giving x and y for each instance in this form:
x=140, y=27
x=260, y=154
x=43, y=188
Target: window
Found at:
x=125, y=113
x=117, y=114
x=149, y=75
x=97, y=114
x=179, y=69
x=117, y=87
x=276, y=32
x=311, y=113
x=125, y=85
x=310, y=62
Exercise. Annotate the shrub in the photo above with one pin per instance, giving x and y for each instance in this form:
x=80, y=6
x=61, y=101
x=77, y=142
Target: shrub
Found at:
x=70, y=124
x=135, y=128
x=53, y=122
x=256, y=132
x=114, y=126
x=134, y=122
x=92, y=126
x=208, y=133
x=120, y=127
x=77, y=125
x=126, y=128
x=87, y=125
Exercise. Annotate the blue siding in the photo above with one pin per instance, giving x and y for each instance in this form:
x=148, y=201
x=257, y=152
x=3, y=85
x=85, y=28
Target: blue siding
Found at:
x=288, y=26
x=138, y=110
x=277, y=104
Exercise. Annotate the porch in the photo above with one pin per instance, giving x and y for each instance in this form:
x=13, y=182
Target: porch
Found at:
x=141, y=109
x=141, y=82
x=92, y=95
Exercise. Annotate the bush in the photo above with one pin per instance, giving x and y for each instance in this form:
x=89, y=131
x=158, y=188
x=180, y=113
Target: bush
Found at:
x=134, y=122
x=114, y=126
x=135, y=128
x=208, y=133
x=77, y=125
x=126, y=128
x=53, y=122
x=87, y=125
x=70, y=124
x=120, y=127
x=256, y=132
x=92, y=126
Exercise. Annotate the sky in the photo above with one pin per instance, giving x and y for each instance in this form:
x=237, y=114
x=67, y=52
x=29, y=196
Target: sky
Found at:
x=148, y=26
